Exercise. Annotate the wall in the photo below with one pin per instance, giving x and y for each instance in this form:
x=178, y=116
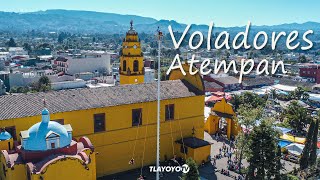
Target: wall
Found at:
x=89, y=64
x=6, y=145
x=77, y=83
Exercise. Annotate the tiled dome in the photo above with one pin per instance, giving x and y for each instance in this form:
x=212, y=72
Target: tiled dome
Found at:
x=39, y=133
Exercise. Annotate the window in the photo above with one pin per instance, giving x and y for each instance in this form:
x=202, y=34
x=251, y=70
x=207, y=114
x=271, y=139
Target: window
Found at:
x=135, y=65
x=12, y=131
x=60, y=121
x=124, y=65
x=136, y=117
x=183, y=149
x=170, y=112
x=53, y=145
x=4, y=170
x=99, y=122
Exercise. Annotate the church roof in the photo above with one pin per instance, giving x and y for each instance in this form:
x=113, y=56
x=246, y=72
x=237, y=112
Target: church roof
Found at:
x=27, y=105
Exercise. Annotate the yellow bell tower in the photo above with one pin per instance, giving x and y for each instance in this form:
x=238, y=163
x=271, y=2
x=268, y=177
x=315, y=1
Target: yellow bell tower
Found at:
x=131, y=60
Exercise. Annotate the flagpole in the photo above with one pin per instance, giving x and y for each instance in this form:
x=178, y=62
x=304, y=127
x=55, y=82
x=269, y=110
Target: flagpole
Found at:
x=158, y=105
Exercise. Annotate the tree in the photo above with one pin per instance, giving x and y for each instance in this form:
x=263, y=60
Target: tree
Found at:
x=27, y=47
x=304, y=160
x=11, y=43
x=42, y=85
x=247, y=117
x=278, y=164
x=314, y=147
x=297, y=116
x=263, y=152
x=247, y=99
x=302, y=59
x=193, y=173
x=299, y=93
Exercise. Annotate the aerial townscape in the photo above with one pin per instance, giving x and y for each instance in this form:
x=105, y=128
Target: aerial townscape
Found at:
x=82, y=101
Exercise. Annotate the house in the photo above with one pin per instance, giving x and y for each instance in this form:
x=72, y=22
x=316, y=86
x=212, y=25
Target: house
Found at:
x=229, y=83
x=85, y=62
x=2, y=88
x=212, y=87
x=310, y=71
x=257, y=82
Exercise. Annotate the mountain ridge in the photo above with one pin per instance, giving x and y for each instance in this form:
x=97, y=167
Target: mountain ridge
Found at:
x=79, y=21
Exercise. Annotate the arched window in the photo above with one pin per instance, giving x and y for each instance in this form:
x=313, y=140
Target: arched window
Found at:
x=135, y=65
x=124, y=65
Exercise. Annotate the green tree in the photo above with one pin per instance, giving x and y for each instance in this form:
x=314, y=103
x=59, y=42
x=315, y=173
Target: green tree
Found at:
x=263, y=150
x=247, y=118
x=278, y=164
x=304, y=160
x=302, y=59
x=193, y=173
x=247, y=99
x=27, y=47
x=11, y=43
x=299, y=93
x=314, y=147
x=42, y=85
x=297, y=116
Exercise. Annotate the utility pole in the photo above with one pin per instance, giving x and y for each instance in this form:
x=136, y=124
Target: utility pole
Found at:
x=159, y=37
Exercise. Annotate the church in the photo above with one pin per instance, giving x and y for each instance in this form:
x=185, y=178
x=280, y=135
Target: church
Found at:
x=114, y=127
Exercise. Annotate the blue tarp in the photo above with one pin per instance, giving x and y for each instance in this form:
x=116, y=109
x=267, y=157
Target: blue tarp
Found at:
x=284, y=143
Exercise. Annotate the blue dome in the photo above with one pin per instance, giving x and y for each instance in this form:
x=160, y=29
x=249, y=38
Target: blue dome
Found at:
x=38, y=133
x=4, y=135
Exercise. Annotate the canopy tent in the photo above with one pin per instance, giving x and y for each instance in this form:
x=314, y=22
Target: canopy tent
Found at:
x=291, y=138
x=295, y=148
x=284, y=87
x=283, y=143
x=314, y=97
x=283, y=130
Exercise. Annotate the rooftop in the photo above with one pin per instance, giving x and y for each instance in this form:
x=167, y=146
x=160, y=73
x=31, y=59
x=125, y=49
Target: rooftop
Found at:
x=227, y=80
x=259, y=80
x=27, y=105
x=193, y=142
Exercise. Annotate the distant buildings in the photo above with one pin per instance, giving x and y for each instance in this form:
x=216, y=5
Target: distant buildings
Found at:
x=86, y=62
x=2, y=88
x=17, y=51
x=149, y=75
x=311, y=72
x=212, y=87
x=229, y=83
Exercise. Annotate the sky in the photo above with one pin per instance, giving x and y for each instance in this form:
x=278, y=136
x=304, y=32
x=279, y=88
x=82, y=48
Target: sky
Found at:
x=225, y=13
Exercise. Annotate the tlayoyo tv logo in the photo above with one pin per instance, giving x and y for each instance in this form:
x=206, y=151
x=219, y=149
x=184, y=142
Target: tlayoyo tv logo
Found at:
x=184, y=168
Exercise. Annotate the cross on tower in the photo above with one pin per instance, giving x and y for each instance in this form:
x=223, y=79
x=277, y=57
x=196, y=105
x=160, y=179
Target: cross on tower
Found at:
x=131, y=24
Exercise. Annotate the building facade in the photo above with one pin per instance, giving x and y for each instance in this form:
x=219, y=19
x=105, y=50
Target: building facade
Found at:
x=120, y=121
x=312, y=72
x=131, y=59
x=88, y=62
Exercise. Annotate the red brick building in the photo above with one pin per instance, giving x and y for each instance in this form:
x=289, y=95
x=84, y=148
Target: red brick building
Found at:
x=311, y=71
